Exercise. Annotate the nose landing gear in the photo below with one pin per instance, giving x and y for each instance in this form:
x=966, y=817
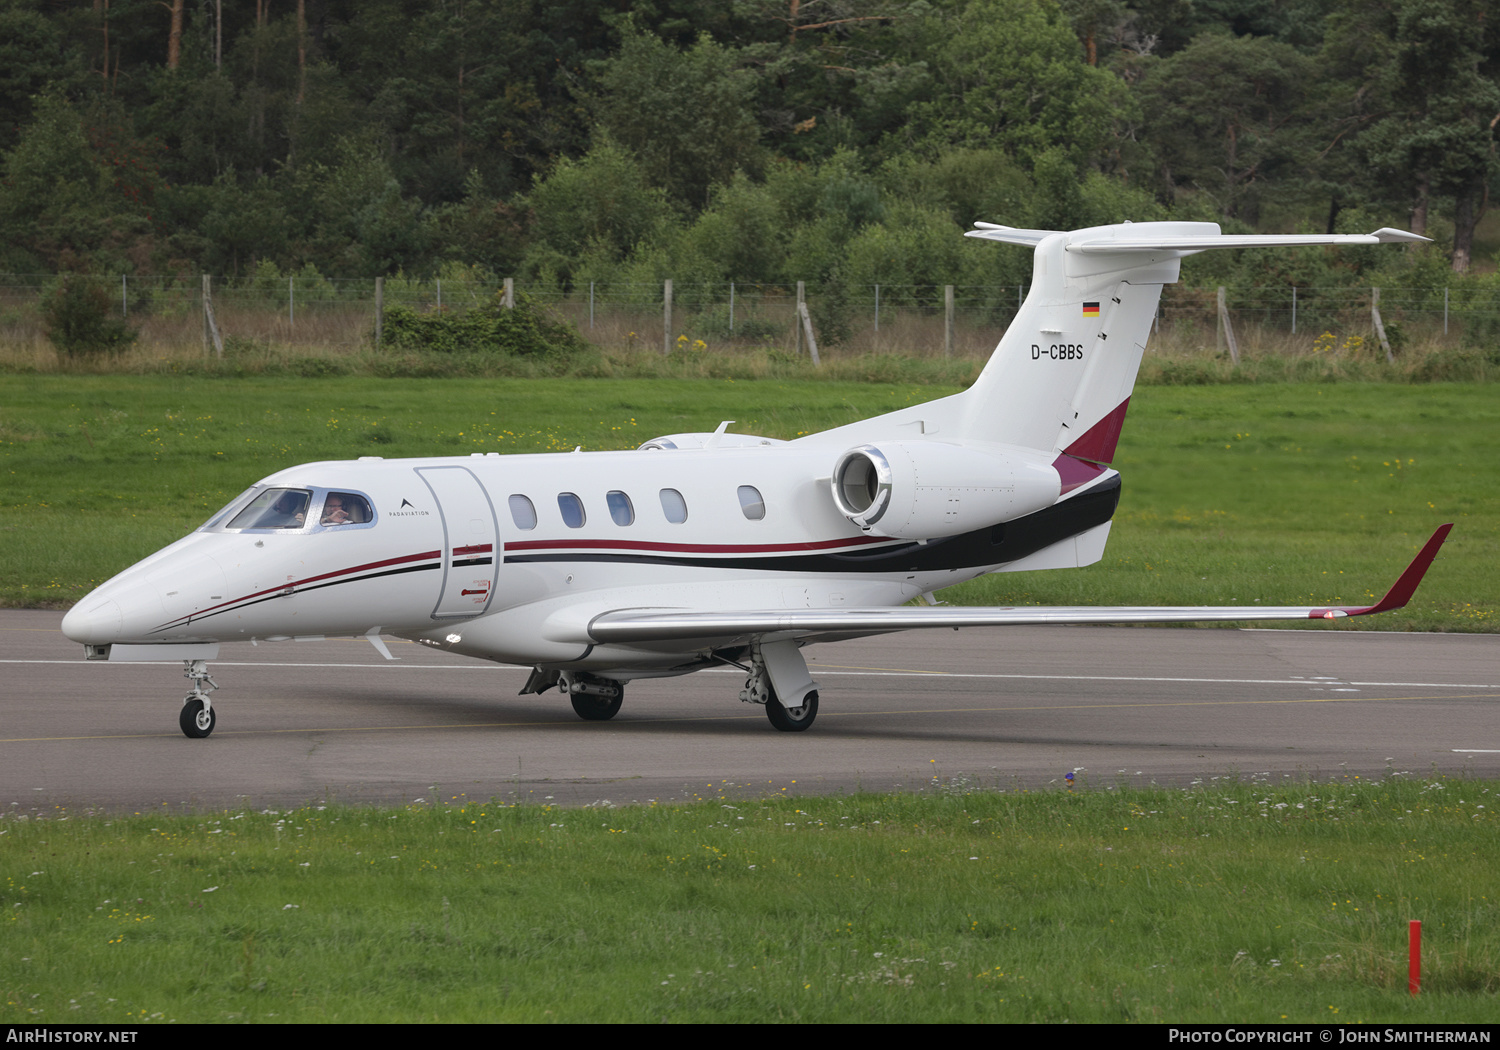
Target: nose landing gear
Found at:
x=197, y=718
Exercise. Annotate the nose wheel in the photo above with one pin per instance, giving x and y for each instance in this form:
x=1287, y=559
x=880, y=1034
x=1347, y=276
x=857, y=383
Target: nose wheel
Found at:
x=197, y=718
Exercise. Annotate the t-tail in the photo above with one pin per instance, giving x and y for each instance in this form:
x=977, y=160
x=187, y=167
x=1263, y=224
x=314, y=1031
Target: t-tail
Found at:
x=1061, y=378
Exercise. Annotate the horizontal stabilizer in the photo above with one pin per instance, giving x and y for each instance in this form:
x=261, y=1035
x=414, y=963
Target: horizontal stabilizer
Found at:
x=1125, y=242
x=628, y=626
x=1161, y=236
x=991, y=231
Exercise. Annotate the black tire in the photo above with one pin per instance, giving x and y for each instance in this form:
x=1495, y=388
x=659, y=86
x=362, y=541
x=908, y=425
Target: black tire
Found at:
x=597, y=708
x=193, y=722
x=795, y=719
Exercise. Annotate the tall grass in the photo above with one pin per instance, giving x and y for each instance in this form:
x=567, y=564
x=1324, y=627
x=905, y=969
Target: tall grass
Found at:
x=335, y=337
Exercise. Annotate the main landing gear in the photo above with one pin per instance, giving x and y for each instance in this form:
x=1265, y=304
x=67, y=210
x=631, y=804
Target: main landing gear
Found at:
x=778, y=680
x=778, y=670
x=594, y=699
x=197, y=718
x=792, y=719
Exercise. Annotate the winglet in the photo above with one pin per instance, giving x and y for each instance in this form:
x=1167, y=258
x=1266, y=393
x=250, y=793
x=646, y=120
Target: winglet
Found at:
x=1403, y=589
x=1386, y=235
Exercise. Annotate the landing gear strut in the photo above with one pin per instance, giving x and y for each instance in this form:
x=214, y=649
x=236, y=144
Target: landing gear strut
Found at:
x=197, y=718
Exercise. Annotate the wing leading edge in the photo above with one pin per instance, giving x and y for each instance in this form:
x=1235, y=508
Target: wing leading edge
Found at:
x=627, y=626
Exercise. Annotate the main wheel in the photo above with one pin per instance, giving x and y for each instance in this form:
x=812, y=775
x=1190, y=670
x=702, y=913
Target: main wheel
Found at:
x=196, y=721
x=597, y=708
x=792, y=719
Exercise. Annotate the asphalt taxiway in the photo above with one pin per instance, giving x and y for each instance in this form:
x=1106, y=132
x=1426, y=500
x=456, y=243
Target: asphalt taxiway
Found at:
x=333, y=721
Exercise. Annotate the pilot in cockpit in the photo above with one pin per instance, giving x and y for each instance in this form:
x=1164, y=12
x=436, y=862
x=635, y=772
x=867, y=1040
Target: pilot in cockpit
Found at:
x=344, y=508
x=334, y=512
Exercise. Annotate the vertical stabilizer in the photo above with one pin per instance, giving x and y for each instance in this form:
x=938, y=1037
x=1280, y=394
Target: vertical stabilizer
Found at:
x=1061, y=378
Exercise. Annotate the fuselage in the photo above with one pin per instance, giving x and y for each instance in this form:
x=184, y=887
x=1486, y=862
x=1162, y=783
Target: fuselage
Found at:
x=508, y=557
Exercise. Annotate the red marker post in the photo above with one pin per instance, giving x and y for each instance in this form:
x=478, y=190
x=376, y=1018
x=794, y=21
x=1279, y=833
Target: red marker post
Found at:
x=1414, y=957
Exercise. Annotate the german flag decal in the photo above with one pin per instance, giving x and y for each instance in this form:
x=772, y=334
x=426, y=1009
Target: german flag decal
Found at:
x=1090, y=309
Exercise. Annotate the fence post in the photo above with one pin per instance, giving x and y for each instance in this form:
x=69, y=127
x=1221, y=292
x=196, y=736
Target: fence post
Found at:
x=291, y=300
x=591, y=306
x=731, y=309
x=877, y=308
x=666, y=317
x=1226, y=329
x=1294, y=309
x=1445, y=311
x=1380, y=328
x=379, y=309
x=210, y=326
x=947, y=320
x=439, y=282
x=812, y=344
x=125, y=299
x=508, y=300
x=801, y=310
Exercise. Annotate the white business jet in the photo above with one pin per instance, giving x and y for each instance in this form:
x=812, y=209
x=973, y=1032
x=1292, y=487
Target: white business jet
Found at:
x=705, y=550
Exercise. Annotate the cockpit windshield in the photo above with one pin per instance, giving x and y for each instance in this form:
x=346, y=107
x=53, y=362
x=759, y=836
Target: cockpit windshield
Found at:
x=223, y=512
x=274, y=509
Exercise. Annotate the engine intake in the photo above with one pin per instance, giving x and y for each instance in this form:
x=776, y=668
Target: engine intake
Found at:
x=918, y=490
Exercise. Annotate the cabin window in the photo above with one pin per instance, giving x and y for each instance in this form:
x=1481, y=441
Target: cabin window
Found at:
x=522, y=512
x=274, y=509
x=572, y=510
x=620, y=508
x=345, y=508
x=752, y=503
x=673, y=506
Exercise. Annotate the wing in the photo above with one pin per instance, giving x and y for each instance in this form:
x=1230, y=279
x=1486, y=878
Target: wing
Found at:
x=647, y=626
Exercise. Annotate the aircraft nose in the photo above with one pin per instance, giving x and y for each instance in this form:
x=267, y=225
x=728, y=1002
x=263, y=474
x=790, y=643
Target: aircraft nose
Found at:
x=94, y=622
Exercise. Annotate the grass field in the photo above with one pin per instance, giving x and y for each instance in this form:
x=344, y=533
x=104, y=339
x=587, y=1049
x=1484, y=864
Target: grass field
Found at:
x=1246, y=901
x=1269, y=492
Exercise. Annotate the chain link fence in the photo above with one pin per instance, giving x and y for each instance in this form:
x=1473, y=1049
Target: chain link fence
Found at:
x=339, y=313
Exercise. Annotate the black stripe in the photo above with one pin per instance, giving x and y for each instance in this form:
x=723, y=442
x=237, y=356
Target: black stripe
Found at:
x=992, y=545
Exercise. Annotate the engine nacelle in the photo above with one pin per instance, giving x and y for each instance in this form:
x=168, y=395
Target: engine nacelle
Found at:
x=918, y=490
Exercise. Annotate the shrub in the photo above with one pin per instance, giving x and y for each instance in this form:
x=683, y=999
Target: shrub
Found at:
x=528, y=330
x=78, y=312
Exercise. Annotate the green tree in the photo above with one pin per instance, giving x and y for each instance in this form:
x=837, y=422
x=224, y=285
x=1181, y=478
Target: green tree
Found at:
x=684, y=114
x=72, y=197
x=1010, y=75
x=602, y=205
x=362, y=223
x=1444, y=91
x=1226, y=115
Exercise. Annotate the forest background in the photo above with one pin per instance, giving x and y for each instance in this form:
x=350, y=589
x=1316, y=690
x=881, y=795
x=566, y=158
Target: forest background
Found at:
x=837, y=142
